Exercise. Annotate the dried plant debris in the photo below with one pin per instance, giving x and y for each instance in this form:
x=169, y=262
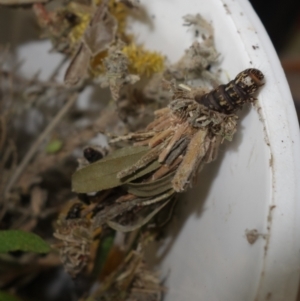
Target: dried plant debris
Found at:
x=123, y=209
x=80, y=228
x=199, y=58
x=133, y=281
x=164, y=159
x=200, y=27
x=131, y=278
x=195, y=63
x=96, y=39
x=26, y=106
x=64, y=26
x=164, y=123
x=117, y=76
x=105, y=36
x=182, y=137
x=76, y=236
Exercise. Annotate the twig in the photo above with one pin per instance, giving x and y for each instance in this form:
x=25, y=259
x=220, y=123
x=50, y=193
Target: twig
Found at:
x=2, y=131
x=34, y=148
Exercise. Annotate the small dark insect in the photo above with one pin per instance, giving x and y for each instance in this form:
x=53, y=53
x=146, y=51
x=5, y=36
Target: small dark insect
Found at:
x=230, y=97
x=74, y=211
x=92, y=154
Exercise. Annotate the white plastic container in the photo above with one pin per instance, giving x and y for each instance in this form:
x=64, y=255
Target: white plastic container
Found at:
x=253, y=183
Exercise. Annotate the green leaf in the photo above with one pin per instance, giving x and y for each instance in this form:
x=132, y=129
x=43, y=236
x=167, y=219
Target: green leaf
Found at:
x=7, y=297
x=102, y=174
x=17, y=240
x=103, y=250
x=54, y=146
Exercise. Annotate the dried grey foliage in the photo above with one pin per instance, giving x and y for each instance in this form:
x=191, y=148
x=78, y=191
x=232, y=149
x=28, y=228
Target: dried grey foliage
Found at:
x=97, y=38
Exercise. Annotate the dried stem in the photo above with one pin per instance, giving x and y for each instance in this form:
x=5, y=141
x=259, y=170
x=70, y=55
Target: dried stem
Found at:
x=34, y=148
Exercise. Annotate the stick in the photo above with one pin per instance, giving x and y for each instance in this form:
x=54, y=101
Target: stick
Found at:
x=34, y=148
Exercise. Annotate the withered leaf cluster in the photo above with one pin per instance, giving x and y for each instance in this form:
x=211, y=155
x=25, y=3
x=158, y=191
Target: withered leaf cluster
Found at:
x=139, y=180
x=97, y=38
x=181, y=138
x=121, y=195
x=140, y=177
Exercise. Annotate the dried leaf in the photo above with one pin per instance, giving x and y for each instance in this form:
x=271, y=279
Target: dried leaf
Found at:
x=129, y=228
x=150, y=188
x=191, y=161
x=17, y=240
x=101, y=32
x=97, y=37
x=102, y=174
x=77, y=69
x=112, y=211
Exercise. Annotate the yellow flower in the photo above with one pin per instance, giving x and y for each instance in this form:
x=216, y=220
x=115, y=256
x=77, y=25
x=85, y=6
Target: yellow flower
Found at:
x=96, y=63
x=143, y=62
x=78, y=30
